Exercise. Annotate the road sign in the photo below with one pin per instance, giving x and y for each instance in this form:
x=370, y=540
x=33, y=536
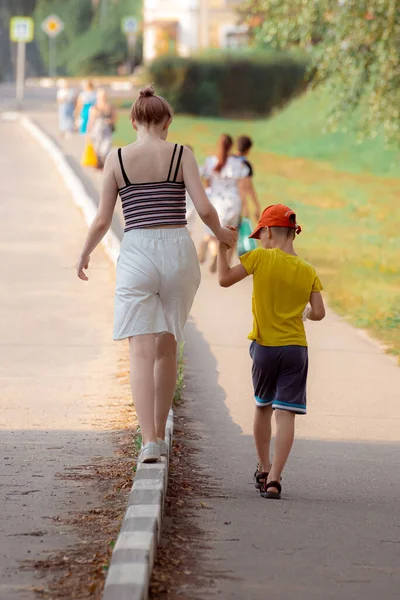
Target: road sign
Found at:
x=129, y=25
x=52, y=26
x=21, y=29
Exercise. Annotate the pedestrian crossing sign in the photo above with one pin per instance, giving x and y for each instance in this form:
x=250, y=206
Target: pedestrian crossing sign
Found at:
x=21, y=29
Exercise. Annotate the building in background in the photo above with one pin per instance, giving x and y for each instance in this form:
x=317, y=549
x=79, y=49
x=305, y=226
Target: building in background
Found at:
x=187, y=26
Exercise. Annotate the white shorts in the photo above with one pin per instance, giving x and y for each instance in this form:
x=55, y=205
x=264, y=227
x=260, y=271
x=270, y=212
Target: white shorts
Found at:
x=158, y=275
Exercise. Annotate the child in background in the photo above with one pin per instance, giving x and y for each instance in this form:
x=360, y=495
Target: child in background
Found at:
x=283, y=285
x=244, y=144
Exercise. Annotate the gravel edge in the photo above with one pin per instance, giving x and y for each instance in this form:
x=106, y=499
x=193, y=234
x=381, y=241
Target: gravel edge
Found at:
x=134, y=553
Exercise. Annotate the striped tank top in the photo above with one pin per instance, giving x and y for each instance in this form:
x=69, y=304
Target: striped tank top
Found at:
x=157, y=203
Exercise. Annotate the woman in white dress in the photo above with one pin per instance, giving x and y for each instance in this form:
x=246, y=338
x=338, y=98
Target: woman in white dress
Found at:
x=223, y=173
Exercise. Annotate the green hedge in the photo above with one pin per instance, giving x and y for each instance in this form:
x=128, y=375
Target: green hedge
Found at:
x=229, y=85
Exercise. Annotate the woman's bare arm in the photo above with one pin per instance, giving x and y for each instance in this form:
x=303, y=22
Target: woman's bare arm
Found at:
x=103, y=218
x=205, y=209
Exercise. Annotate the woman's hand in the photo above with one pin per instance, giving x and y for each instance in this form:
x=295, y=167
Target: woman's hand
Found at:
x=83, y=263
x=228, y=236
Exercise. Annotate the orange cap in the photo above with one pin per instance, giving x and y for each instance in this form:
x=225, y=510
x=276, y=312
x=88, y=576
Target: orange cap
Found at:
x=276, y=215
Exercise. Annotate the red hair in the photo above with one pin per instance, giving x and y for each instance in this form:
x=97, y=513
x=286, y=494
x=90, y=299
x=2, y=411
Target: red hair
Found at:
x=224, y=146
x=150, y=109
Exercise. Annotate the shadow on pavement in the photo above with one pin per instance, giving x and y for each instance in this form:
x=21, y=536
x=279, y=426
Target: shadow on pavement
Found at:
x=335, y=533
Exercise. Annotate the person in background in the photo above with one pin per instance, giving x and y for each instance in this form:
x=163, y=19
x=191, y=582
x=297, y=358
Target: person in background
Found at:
x=66, y=107
x=244, y=145
x=101, y=125
x=86, y=99
x=223, y=173
x=190, y=208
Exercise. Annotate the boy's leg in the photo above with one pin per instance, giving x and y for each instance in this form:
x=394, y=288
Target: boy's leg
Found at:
x=262, y=436
x=283, y=444
x=290, y=400
x=264, y=371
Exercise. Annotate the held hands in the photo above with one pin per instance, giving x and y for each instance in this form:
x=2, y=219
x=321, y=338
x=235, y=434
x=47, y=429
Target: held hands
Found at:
x=228, y=236
x=83, y=263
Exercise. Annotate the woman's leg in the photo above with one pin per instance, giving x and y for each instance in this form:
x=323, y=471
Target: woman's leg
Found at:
x=203, y=249
x=262, y=436
x=283, y=443
x=165, y=371
x=213, y=248
x=143, y=356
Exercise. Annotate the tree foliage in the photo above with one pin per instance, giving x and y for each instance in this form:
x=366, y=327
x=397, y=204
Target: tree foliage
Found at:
x=92, y=41
x=354, y=48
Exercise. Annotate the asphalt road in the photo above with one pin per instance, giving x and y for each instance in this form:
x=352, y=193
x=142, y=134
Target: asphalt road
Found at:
x=58, y=364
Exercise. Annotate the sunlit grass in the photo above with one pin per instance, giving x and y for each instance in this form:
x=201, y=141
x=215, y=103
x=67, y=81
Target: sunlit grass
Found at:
x=346, y=195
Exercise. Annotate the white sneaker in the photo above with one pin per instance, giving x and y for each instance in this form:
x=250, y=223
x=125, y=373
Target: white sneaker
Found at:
x=163, y=445
x=150, y=453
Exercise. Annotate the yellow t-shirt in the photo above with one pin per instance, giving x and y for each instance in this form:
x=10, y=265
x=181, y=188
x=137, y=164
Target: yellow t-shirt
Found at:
x=282, y=285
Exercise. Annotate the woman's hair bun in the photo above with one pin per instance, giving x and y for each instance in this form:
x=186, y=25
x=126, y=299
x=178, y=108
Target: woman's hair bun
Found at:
x=147, y=92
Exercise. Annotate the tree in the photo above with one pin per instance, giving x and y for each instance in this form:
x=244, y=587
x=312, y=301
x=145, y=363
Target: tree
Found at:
x=354, y=48
x=92, y=41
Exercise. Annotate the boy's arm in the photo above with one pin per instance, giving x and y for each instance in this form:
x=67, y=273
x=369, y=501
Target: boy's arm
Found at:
x=315, y=312
x=227, y=275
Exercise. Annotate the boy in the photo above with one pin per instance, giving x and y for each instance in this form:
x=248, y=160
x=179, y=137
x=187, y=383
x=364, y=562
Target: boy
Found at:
x=244, y=145
x=283, y=285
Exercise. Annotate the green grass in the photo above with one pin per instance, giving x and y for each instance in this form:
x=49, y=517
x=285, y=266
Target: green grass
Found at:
x=346, y=194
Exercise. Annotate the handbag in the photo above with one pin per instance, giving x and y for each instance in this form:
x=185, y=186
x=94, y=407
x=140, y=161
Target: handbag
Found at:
x=245, y=243
x=89, y=157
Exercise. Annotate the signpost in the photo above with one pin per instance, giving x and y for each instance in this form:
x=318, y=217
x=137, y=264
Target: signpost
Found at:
x=21, y=31
x=52, y=26
x=129, y=26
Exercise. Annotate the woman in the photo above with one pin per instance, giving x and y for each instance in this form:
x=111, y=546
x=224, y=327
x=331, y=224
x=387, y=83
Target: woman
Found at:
x=222, y=173
x=66, y=106
x=158, y=272
x=102, y=119
x=86, y=99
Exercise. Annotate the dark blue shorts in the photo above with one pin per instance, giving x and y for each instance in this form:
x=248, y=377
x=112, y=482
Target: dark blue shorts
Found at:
x=280, y=376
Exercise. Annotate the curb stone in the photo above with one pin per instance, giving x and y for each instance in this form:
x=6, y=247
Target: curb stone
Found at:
x=134, y=553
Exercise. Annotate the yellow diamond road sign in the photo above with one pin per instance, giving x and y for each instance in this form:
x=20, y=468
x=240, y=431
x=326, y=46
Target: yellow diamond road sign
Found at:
x=52, y=25
x=21, y=29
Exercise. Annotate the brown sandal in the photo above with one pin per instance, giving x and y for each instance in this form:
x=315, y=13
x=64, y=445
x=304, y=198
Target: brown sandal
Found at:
x=259, y=479
x=271, y=495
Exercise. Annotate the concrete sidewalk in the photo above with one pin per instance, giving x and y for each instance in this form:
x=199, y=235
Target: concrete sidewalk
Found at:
x=336, y=533
x=58, y=363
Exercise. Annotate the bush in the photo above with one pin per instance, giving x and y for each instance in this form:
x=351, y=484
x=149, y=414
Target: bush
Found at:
x=229, y=85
